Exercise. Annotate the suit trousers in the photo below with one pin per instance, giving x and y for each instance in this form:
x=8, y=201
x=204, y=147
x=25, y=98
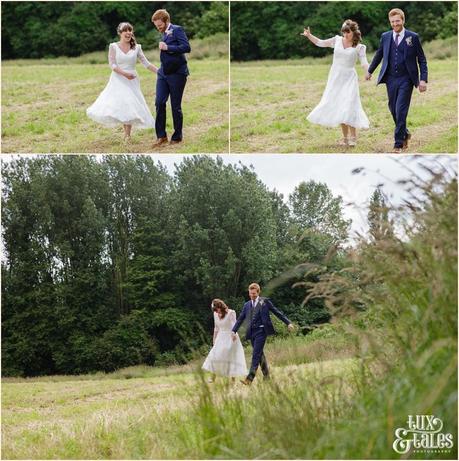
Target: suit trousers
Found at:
x=258, y=340
x=173, y=85
x=399, y=91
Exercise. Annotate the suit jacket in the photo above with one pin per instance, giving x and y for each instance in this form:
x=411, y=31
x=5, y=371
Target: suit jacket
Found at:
x=265, y=305
x=414, y=57
x=173, y=60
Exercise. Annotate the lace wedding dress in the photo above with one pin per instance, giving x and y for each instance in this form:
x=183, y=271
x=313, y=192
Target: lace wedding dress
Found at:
x=122, y=101
x=340, y=102
x=226, y=358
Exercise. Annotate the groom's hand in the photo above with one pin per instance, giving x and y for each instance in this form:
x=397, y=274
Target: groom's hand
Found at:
x=233, y=335
x=368, y=76
x=162, y=46
x=422, y=86
x=290, y=327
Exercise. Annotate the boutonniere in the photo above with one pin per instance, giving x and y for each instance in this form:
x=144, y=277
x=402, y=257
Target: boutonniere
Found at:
x=262, y=301
x=409, y=41
x=169, y=32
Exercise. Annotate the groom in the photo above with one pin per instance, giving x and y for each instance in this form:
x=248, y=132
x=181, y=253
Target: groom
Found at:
x=401, y=52
x=172, y=76
x=259, y=328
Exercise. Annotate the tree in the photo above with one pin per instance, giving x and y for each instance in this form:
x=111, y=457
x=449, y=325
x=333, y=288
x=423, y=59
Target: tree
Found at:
x=50, y=29
x=315, y=209
x=380, y=226
x=226, y=236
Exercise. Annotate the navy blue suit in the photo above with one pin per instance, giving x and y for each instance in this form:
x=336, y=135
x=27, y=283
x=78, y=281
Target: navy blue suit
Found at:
x=400, y=71
x=171, y=81
x=258, y=329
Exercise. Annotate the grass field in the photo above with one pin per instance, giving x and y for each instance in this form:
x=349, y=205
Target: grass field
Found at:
x=270, y=101
x=145, y=412
x=321, y=403
x=44, y=104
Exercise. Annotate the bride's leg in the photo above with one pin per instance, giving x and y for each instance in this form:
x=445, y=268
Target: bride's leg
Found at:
x=353, y=136
x=344, y=129
x=127, y=131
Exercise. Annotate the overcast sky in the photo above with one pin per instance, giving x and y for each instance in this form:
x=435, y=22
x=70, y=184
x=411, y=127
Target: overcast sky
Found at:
x=285, y=172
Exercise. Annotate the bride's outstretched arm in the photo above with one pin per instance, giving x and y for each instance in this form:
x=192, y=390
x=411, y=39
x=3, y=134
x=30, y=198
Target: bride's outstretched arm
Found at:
x=317, y=41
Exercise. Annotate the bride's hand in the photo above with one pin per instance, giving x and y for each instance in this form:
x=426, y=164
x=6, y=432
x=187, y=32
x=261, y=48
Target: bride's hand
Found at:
x=130, y=76
x=306, y=32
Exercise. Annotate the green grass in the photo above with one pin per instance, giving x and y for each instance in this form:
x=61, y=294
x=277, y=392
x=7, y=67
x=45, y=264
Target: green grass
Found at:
x=140, y=412
x=270, y=101
x=44, y=105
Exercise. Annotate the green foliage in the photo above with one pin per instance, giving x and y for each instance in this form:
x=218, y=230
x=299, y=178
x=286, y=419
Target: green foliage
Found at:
x=378, y=216
x=112, y=262
x=315, y=209
x=51, y=29
x=128, y=343
x=214, y=20
x=271, y=30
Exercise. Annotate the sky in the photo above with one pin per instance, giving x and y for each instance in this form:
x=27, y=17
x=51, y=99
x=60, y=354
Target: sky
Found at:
x=284, y=172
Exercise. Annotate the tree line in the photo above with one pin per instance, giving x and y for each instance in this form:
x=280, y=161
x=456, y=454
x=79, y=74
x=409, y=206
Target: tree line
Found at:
x=271, y=30
x=112, y=261
x=50, y=29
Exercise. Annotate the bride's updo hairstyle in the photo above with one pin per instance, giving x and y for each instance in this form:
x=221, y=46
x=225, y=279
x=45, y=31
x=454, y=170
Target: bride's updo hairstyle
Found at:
x=126, y=27
x=351, y=26
x=219, y=305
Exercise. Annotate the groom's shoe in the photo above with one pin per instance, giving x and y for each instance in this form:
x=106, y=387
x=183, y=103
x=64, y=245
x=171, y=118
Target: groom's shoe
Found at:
x=176, y=141
x=406, y=141
x=397, y=150
x=246, y=381
x=160, y=141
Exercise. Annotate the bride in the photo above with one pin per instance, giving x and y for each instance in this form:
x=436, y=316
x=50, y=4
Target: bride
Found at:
x=340, y=103
x=122, y=101
x=226, y=358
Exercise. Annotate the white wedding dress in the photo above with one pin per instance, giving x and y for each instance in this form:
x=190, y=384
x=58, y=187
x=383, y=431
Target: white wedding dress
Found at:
x=226, y=358
x=122, y=101
x=340, y=102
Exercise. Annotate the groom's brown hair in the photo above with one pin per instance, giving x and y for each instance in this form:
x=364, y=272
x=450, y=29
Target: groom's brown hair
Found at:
x=398, y=11
x=163, y=15
x=254, y=286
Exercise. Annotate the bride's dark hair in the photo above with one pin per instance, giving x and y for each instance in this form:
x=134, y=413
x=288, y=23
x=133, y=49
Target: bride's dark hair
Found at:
x=219, y=305
x=351, y=26
x=125, y=27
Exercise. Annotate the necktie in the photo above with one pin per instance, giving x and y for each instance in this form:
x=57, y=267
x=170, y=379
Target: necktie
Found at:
x=396, y=39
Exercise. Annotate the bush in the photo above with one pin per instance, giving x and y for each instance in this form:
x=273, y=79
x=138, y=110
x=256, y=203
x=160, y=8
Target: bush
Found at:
x=128, y=343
